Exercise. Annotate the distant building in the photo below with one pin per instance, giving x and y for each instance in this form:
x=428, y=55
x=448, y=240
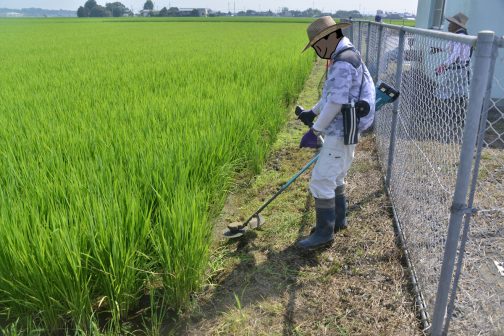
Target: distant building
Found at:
x=149, y=12
x=194, y=12
x=35, y=12
x=13, y=14
x=395, y=15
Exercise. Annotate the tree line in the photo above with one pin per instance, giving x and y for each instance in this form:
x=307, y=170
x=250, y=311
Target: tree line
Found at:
x=92, y=9
x=117, y=9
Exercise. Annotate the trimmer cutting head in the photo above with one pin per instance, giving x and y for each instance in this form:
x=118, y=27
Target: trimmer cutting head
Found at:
x=238, y=229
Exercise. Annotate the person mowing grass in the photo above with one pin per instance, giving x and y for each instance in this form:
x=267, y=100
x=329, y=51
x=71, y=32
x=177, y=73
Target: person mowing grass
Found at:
x=345, y=109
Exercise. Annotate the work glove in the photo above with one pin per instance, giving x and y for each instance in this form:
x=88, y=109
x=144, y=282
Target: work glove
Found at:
x=310, y=140
x=306, y=117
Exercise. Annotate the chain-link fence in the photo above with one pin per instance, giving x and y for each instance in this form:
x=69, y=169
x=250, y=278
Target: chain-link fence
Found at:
x=480, y=269
x=427, y=145
x=355, y=31
x=374, y=43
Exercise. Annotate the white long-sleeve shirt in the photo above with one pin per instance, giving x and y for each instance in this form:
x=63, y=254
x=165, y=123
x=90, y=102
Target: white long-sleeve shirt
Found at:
x=458, y=53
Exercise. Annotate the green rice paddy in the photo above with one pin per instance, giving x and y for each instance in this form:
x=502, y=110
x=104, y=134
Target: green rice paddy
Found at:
x=118, y=142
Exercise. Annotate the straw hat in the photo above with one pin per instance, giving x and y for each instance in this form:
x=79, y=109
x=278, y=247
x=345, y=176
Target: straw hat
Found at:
x=459, y=19
x=321, y=27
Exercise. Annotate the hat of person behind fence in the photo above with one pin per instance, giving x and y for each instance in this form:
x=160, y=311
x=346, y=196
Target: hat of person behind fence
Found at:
x=321, y=27
x=460, y=19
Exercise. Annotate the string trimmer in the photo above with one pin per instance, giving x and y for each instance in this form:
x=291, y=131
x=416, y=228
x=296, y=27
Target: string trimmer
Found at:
x=385, y=94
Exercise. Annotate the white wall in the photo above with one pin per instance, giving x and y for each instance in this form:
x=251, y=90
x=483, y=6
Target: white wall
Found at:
x=423, y=13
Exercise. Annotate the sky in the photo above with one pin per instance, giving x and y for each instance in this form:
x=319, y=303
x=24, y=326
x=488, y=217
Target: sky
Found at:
x=364, y=6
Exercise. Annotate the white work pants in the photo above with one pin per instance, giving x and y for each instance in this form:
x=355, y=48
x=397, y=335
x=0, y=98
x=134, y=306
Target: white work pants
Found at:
x=331, y=168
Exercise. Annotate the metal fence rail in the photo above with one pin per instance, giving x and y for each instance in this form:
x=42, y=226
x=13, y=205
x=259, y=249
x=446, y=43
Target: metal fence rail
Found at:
x=427, y=144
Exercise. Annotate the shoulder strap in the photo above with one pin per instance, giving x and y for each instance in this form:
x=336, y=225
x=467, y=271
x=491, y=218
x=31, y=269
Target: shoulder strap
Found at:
x=361, y=83
x=349, y=55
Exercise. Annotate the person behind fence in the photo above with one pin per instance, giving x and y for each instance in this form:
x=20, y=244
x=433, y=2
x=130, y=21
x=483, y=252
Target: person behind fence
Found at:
x=345, y=108
x=454, y=73
x=378, y=16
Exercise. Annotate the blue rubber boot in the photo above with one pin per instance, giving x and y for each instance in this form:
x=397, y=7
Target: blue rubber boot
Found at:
x=324, y=229
x=340, y=202
x=341, y=209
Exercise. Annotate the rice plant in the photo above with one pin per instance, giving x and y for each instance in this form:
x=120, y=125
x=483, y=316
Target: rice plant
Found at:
x=119, y=141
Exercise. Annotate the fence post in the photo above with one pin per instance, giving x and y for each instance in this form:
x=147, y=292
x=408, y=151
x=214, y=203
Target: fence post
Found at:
x=360, y=36
x=379, y=48
x=472, y=192
x=393, y=131
x=481, y=73
x=350, y=34
x=367, y=42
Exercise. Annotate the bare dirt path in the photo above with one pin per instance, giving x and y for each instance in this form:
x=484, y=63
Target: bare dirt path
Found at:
x=264, y=286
